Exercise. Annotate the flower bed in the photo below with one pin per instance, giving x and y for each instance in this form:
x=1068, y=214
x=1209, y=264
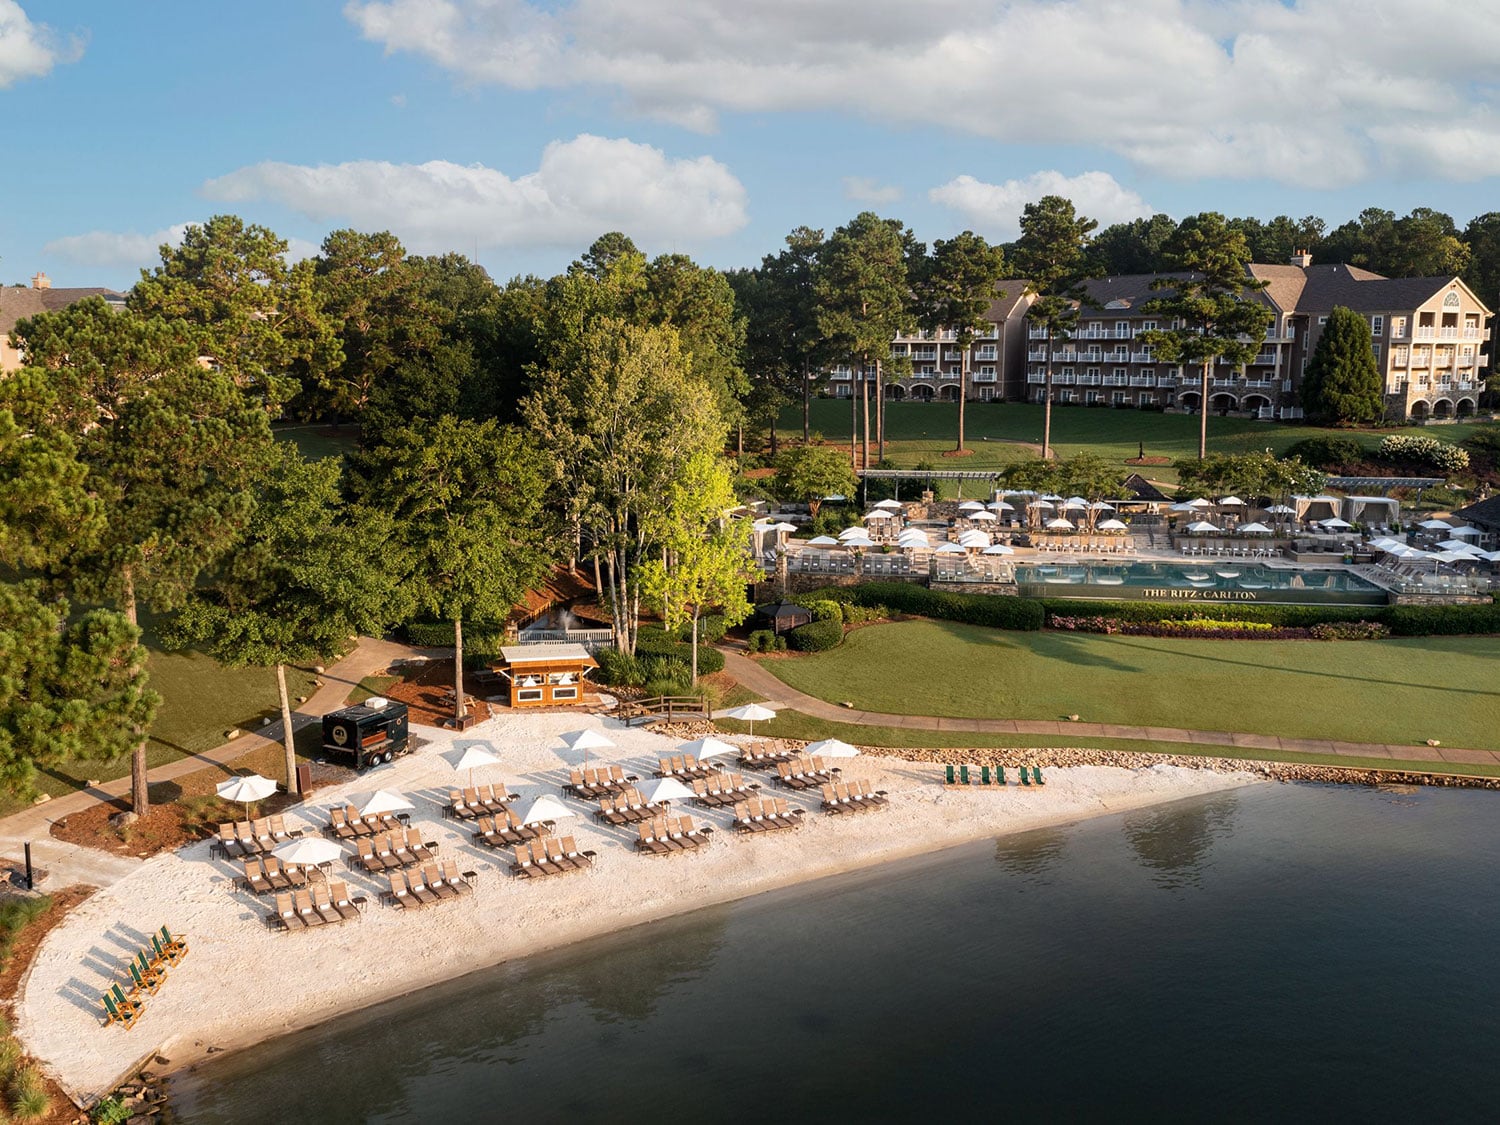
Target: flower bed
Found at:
x=1212, y=627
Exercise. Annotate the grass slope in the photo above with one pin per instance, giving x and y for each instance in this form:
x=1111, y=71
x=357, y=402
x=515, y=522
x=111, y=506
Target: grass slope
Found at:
x=1395, y=691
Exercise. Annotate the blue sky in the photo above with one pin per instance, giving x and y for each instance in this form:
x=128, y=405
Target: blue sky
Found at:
x=516, y=130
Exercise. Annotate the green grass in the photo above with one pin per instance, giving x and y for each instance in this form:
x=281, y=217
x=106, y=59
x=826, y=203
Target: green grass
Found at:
x=795, y=724
x=371, y=685
x=1396, y=691
x=15, y=915
x=923, y=431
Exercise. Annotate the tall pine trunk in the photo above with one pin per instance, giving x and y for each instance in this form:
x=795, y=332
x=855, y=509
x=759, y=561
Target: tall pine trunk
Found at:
x=460, y=709
x=695, y=644
x=1047, y=399
x=806, y=402
x=140, y=793
x=963, y=394
x=879, y=412
x=864, y=397
x=288, y=741
x=1208, y=367
x=853, y=427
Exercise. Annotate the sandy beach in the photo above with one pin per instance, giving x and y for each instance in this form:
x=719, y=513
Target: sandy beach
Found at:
x=242, y=983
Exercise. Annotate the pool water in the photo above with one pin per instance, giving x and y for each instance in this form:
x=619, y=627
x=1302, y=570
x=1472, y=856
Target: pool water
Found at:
x=1223, y=580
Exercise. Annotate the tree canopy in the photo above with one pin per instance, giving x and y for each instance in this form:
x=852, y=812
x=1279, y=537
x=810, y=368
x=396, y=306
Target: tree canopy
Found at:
x=1342, y=384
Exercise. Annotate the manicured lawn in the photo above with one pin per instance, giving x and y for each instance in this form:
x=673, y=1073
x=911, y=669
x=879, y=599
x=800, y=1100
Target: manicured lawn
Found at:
x=922, y=431
x=1405, y=690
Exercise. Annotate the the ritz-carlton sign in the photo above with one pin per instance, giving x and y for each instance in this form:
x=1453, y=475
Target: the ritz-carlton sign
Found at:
x=1170, y=594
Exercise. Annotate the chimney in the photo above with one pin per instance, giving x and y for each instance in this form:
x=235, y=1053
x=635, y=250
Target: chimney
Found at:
x=41, y=281
x=1302, y=258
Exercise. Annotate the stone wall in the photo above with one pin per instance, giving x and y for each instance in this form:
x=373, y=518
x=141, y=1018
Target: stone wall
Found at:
x=1441, y=599
x=1004, y=588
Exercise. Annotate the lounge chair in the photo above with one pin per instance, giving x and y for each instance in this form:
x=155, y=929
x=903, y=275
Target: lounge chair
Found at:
x=649, y=837
x=166, y=954
x=523, y=865
x=146, y=981
x=322, y=902
x=339, y=827
x=350, y=909
x=999, y=775
x=984, y=775
x=492, y=801
x=433, y=880
x=1036, y=775
x=305, y=909
x=228, y=844
x=424, y=852
x=948, y=778
x=400, y=894
x=119, y=1010
x=963, y=775
x=178, y=945
x=280, y=832
x=462, y=883
x=459, y=809
x=1025, y=780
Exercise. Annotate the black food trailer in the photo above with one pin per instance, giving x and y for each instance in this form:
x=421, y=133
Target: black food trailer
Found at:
x=366, y=734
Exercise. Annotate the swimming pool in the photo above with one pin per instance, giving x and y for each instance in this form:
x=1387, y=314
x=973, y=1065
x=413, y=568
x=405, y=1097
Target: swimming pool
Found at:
x=1209, y=581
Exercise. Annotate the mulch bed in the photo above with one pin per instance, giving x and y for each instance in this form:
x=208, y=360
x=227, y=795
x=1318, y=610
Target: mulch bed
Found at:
x=427, y=692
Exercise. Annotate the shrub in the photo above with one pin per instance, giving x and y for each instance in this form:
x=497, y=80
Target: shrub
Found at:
x=1349, y=631
x=1486, y=440
x=656, y=668
x=651, y=640
x=778, y=643
x=667, y=687
x=711, y=628
x=618, y=669
x=28, y=1097
x=478, y=637
x=1409, y=449
x=760, y=640
x=10, y=1055
x=1285, y=616
x=1328, y=452
x=110, y=1111
x=824, y=610
x=1442, y=620
x=997, y=611
x=816, y=636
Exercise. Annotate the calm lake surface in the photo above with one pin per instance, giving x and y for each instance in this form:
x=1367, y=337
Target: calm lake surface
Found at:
x=1287, y=953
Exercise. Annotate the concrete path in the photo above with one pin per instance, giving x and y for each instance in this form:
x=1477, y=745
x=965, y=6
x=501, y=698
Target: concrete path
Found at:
x=776, y=691
x=70, y=863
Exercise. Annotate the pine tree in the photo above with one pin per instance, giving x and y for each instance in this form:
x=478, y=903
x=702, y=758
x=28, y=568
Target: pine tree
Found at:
x=1342, y=386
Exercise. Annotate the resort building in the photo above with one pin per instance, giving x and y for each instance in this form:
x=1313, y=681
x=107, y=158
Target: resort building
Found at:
x=1428, y=335
x=996, y=358
x=19, y=302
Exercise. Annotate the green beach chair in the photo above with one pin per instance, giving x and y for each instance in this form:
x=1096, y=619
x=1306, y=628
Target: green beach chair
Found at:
x=144, y=982
x=176, y=945
x=1026, y=781
x=116, y=1012
x=1036, y=775
x=999, y=775
x=963, y=775
x=165, y=955
x=984, y=775
x=949, y=776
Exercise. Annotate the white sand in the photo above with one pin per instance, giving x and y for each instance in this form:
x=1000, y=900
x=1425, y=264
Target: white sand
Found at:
x=242, y=983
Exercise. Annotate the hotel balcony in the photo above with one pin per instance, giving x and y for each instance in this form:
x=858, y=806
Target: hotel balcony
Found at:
x=1142, y=357
x=983, y=377
x=1036, y=377
x=1037, y=355
x=1143, y=381
x=1424, y=333
x=1447, y=333
x=1264, y=359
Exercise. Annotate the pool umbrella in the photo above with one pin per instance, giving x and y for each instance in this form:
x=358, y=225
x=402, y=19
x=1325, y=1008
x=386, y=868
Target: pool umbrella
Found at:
x=852, y=533
x=1198, y=502
x=471, y=758
x=586, y=740
x=831, y=748
x=783, y=527
x=1202, y=525
x=1040, y=504
x=1051, y=496
x=384, y=801
x=859, y=541
x=1101, y=506
x=894, y=505
x=949, y=549
x=1466, y=530
x=246, y=790
x=1112, y=525
x=665, y=789
x=708, y=747
x=545, y=808
x=823, y=541
x=1337, y=523
x=1456, y=545
x=998, y=549
x=1281, y=510
x=1076, y=504
x=1435, y=525
x=970, y=506
x=751, y=713
x=1231, y=502
x=983, y=516
x=974, y=539
x=309, y=851
x=1060, y=524
x=879, y=514
x=1000, y=506
x=1256, y=528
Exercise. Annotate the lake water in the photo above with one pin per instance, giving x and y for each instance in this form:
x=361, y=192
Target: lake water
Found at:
x=1287, y=953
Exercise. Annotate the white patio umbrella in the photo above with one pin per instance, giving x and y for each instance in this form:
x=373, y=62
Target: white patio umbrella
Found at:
x=751, y=713
x=1040, y=504
x=1101, y=506
x=1456, y=545
x=974, y=539
x=859, y=541
x=1467, y=532
x=912, y=537
x=665, y=789
x=998, y=549
x=1051, y=496
x=893, y=505
x=987, y=516
x=879, y=514
x=246, y=790
x=384, y=801
x=949, y=549
x=853, y=533
x=1255, y=528
x=1435, y=525
x=822, y=541
x=309, y=851
x=1231, y=502
x=1060, y=524
x=1337, y=523
x=1201, y=525
x=783, y=527
x=970, y=506
x=831, y=748
x=1112, y=525
x=471, y=758
x=586, y=740
x=1000, y=506
x=708, y=747
x=545, y=808
x=1075, y=504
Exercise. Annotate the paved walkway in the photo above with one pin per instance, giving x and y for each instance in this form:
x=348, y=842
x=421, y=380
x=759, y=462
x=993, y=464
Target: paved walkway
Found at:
x=72, y=863
x=776, y=691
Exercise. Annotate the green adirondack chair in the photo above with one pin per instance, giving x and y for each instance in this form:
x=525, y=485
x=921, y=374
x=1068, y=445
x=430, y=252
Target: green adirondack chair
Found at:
x=999, y=775
x=1036, y=775
x=1026, y=781
x=963, y=775
x=119, y=1013
x=984, y=775
x=948, y=776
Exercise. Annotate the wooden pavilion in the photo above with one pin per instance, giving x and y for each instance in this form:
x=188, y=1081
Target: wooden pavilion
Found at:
x=545, y=675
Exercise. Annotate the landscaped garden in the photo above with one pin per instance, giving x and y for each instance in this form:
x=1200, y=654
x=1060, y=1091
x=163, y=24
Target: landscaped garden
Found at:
x=1403, y=690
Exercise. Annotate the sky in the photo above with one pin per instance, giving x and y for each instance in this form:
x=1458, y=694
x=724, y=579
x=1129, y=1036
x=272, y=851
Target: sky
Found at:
x=517, y=131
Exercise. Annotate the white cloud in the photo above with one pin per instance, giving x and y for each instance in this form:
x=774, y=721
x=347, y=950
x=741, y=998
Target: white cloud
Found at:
x=581, y=189
x=864, y=189
x=1314, y=93
x=995, y=209
x=29, y=50
x=115, y=248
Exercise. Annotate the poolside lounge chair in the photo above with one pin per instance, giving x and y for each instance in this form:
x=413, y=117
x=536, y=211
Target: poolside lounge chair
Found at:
x=463, y=883
x=254, y=879
x=302, y=900
x=119, y=1009
x=338, y=826
x=228, y=844
x=459, y=809
x=322, y=902
x=433, y=880
x=400, y=894
x=280, y=832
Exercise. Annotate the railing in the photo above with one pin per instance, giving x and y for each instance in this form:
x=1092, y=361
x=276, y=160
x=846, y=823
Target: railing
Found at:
x=1142, y=357
x=1423, y=333
x=667, y=707
x=1447, y=333
x=1037, y=355
x=591, y=639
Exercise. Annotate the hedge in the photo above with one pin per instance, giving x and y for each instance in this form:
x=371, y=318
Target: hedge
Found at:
x=1442, y=620
x=816, y=636
x=997, y=611
x=653, y=641
x=1289, y=616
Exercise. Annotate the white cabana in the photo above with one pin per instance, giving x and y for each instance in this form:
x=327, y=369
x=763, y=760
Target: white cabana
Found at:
x=1371, y=509
x=1201, y=526
x=1231, y=502
x=1059, y=524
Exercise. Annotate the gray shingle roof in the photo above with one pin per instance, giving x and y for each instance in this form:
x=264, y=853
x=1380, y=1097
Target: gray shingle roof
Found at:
x=1485, y=513
x=18, y=303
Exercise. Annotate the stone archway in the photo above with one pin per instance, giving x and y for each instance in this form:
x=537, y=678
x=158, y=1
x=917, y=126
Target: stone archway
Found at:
x=948, y=393
x=1223, y=403
x=1418, y=409
x=1442, y=408
x=921, y=393
x=1255, y=403
x=895, y=392
x=1188, y=400
x=1464, y=407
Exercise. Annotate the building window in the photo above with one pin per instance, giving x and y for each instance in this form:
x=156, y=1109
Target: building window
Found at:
x=1147, y=399
x=1091, y=396
x=1376, y=349
x=1092, y=372
x=1377, y=326
x=1120, y=372
x=1148, y=326
x=1117, y=398
x=1398, y=327
x=1322, y=320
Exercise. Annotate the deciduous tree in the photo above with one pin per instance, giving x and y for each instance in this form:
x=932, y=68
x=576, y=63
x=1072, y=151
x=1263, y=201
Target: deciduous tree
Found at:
x=810, y=472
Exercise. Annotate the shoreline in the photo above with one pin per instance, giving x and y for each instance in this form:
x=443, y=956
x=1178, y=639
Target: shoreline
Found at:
x=231, y=990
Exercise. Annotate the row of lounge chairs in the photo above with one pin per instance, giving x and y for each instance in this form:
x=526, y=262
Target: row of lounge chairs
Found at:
x=803, y=773
x=671, y=835
x=507, y=831
x=542, y=858
x=684, y=767
x=985, y=780
x=721, y=789
x=264, y=875
x=591, y=784
x=252, y=837
x=629, y=807
x=765, y=815
x=771, y=752
x=857, y=796
x=327, y=904
x=148, y=971
x=347, y=824
x=470, y=804
x=414, y=890
x=389, y=852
